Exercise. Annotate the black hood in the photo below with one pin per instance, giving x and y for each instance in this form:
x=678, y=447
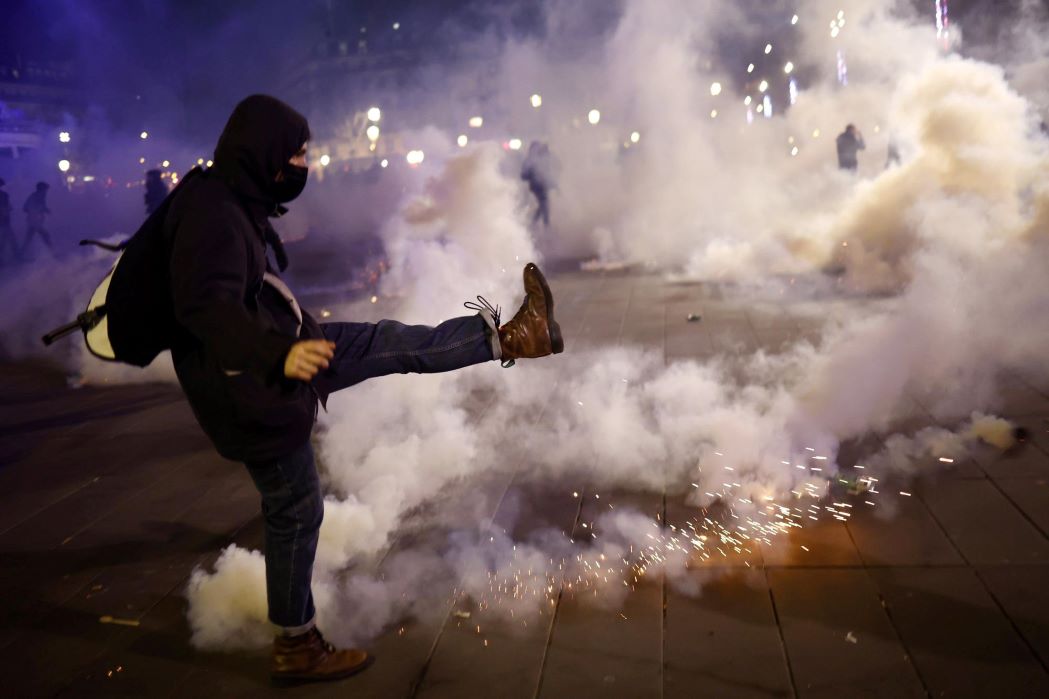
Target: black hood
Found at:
x=260, y=137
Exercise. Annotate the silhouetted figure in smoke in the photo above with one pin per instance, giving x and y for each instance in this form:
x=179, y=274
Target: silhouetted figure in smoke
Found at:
x=7, y=236
x=892, y=155
x=36, y=211
x=849, y=143
x=156, y=191
x=254, y=365
x=538, y=171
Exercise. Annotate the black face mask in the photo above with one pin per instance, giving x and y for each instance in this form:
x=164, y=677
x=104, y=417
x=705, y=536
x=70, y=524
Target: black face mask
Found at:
x=292, y=184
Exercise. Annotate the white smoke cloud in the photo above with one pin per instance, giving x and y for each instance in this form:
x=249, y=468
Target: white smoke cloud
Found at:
x=950, y=231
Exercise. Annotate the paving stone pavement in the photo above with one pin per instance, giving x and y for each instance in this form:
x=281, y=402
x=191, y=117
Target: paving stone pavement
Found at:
x=109, y=496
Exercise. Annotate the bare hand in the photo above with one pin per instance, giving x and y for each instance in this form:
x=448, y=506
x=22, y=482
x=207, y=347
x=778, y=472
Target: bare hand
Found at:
x=307, y=357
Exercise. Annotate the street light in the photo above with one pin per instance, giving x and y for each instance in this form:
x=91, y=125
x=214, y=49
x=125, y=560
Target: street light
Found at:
x=537, y=101
x=462, y=140
x=63, y=165
x=763, y=86
x=715, y=89
x=63, y=137
x=374, y=114
x=144, y=135
x=635, y=137
x=514, y=143
x=415, y=157
x=325, y=159
x=476, y=122
x=594, y=116
x=372, y=133
x=789, y=68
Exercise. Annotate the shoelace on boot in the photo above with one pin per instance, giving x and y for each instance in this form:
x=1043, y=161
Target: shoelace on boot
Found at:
x=482, y=304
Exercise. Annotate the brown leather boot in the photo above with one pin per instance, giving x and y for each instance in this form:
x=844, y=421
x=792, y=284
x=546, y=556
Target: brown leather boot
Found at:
x=532, y=332
x=309, y=658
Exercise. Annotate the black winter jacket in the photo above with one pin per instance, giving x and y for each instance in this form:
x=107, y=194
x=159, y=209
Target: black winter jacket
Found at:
x=235, y=329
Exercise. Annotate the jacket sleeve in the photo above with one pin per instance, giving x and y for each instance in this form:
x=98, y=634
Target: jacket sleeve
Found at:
x=209, y=278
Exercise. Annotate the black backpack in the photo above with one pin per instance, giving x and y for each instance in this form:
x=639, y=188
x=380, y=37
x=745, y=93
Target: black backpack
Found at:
x=130, y=318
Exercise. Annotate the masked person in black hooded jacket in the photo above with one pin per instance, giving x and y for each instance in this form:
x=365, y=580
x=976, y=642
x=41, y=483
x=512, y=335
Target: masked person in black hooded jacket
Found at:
x=254, y=365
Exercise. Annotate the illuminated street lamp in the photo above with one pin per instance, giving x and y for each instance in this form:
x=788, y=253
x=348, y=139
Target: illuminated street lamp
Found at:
x=514, y=143
x=374, y=114
x=789, y=68
x=476, y=122
x=635, y=137
x=63, y=137
x=325, y=159
x=462, y=140
x=594, y=116
x=537, y=101
x=715, y=89
x=144, y=135
x=415, y=157
x=373, y=133
x=63, y=165
x=763, y=86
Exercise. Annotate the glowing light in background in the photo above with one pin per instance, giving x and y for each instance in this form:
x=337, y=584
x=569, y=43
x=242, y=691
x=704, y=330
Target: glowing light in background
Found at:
x=63, y=137
x=816, y=133
x=200, y=161
x=514, y=143
x=768, y=49
x=767, y=104
x=713, y=114
x=374, y=114
x=476, y=122
x=537, y=101
x=415, y=157
x=793, y=86
x=325, y=160
x=166, y=163
x=763, y=85
x=843, y=69
x=594, y=116
x=384, y=163
x=63, y=165
x=788, y=68
x=715, y=89
x=396, y=26
x=462, y=140
x=747, y=100
x=794, y=19
x=210, y=163
x=750, y=68
x=943, y=22
x=750, y=115
x=144, y=135
x=794, y=151
x=372, y=132
x=141, y=161
x=635, y=137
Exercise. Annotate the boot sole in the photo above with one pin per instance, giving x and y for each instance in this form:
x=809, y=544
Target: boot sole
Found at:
x=557, y=342
x=291, y=680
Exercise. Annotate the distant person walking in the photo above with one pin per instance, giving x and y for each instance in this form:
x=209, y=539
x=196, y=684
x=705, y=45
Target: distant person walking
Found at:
x=156, y=191
x=849, y=143
x=7, y=236
x=537, y=172
x=36, y=211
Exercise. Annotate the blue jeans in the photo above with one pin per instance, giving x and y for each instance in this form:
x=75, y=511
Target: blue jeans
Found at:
x=292, y=505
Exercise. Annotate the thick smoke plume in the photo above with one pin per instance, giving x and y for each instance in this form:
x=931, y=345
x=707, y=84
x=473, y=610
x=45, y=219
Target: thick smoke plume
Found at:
x=952, y=239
